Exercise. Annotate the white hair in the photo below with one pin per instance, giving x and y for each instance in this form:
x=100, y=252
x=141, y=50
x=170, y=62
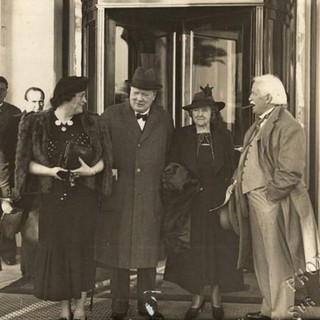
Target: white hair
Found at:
x=270, y=84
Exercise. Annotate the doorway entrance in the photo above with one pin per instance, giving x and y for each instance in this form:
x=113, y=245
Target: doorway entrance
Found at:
x=188, y=48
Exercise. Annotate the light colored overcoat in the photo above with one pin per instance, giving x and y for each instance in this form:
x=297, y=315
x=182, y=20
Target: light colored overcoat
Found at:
x=129, y=232
x=281, y=144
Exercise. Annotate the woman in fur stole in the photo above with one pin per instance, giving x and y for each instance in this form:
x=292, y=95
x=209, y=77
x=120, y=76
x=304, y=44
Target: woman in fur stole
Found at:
x=206, y=149
x=64, y=155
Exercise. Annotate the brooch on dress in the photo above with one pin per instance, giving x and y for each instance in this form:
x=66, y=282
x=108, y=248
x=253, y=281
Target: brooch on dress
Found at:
x=59, y=123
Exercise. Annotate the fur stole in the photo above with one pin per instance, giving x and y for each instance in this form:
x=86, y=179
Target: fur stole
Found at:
x=34, y=133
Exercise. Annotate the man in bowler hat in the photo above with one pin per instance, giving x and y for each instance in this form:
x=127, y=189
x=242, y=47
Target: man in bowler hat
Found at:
x=140, y=132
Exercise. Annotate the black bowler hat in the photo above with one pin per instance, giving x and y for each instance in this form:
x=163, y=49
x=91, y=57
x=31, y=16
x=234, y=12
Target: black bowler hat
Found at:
x=70, y=85
x=144, y=79
x=204, y=98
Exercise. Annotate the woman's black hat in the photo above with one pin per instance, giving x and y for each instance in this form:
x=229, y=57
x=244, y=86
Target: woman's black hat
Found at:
x=204, y=98
x=70, y=85
x=144, y=79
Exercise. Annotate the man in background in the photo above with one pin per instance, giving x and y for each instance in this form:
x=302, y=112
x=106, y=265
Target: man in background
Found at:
x=8, y=246
x=29, y=226
x=35, y=99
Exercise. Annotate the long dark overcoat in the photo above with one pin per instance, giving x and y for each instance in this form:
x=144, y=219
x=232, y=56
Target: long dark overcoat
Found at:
x=187, y=268
x=129, y=230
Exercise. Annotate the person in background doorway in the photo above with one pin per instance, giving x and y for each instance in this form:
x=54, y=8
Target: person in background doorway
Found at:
x=35, y=99
x=8, y=246
x=140, y=133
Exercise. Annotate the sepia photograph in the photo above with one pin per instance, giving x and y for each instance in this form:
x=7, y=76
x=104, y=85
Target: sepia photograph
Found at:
x=159, y=159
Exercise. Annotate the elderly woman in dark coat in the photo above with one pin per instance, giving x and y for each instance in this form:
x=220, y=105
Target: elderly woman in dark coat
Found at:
x=61, y=153
x=206, y=149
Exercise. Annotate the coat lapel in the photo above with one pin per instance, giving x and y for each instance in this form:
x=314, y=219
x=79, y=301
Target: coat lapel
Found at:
x=268, y=127
x=248, y=135
x=153, y=120
x=218, y=145
x=131, y=122
x=191, y=140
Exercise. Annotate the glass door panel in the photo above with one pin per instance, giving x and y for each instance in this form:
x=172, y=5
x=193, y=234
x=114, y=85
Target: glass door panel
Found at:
x=138, y=44
x=121, y=66
x=149, y=51
x=215, y=63
x=219, y=54
x=187, y=71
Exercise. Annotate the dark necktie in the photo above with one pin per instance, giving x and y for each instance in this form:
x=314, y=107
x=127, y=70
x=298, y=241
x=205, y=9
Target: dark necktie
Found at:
x=144, y=117
x=258, y=125
x=256, y=129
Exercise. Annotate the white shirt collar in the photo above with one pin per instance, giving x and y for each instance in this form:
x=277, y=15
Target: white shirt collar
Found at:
x=266, y=113
x=146, y=112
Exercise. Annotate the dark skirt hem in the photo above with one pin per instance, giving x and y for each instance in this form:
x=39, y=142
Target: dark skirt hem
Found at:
x=236, y=286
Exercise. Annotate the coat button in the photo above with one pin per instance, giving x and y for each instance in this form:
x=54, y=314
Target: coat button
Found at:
x=139, y=145
x=201, y=189
x=138, y=170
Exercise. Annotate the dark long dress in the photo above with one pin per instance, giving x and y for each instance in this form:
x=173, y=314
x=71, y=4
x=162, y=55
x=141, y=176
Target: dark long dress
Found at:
x=213, y=251
x=67, y=222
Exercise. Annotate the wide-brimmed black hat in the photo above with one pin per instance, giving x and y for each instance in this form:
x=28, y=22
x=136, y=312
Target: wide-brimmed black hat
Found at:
x=204, y=98
x=144, y=79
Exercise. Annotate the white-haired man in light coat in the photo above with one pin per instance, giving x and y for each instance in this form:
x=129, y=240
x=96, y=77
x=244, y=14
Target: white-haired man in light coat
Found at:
x=284, y=235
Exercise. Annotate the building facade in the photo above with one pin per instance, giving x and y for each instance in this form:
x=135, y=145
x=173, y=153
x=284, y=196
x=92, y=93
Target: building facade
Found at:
x=189, y=43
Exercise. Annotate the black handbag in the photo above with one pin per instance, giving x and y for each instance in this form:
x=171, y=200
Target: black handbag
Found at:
x=72, y=152
x=10, y=223
x=70, y=160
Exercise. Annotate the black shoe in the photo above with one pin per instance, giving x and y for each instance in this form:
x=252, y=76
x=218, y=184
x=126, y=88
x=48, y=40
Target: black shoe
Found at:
x=257, y=316
x=118, y=316
x=10, y=261
x=149, y=308
x=156, y=315
x=193, y=313
x=217, y=313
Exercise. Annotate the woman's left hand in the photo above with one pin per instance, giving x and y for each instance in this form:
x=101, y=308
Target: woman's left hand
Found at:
x=6, y=206
x=83, y=171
